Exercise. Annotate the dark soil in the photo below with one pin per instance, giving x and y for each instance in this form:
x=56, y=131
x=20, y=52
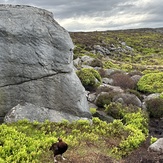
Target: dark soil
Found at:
x=142, y=155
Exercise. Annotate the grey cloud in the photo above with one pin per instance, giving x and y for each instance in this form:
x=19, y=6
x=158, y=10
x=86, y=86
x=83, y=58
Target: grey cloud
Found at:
x=150, y=11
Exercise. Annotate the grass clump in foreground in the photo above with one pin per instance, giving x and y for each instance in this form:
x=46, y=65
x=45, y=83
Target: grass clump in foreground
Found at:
x=24, y=141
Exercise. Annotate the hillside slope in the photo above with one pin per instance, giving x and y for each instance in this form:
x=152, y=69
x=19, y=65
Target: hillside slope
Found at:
x=140, y=48
x=132, y=50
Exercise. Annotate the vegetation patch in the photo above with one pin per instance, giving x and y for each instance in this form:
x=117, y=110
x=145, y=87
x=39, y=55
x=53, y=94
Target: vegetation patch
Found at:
x=137, y=49
x=24, y=141
x=109, y=64
x=89, y=77
x=122, y=80
x=152, y=83
x=104, y=98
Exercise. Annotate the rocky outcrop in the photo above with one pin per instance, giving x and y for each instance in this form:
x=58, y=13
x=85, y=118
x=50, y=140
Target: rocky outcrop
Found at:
x=36, y=63
x=35, y=113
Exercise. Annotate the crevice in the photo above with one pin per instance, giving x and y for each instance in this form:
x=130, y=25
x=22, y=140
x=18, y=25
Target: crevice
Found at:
x=28, y=80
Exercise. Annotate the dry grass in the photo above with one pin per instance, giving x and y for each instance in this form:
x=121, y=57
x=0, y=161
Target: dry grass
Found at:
x=85, y=152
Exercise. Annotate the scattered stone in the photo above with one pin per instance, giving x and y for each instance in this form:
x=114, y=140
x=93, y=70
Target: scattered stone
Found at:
x=126, y=98
x=34, y=113
x=135, y=78
x=157, y=146
x=107, y=81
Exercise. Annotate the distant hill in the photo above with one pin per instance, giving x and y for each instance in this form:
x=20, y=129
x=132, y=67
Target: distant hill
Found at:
x=141, y=48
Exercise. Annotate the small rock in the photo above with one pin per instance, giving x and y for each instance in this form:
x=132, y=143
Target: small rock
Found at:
x=157, y=146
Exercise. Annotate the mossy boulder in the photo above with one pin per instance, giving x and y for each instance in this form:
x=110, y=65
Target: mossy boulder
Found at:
x=152, y=83
x=90, y=78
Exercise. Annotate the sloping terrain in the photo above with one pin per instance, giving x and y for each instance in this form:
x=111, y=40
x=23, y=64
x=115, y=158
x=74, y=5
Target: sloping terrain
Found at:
x=139, y=50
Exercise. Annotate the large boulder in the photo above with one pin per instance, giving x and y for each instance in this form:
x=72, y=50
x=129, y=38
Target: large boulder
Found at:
x=36, y=63
x=34, y=113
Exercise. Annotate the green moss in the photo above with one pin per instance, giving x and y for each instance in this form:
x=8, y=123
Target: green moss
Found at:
x=147, y=71
x=152, y=83
x=161, y=95
x=126, y=67
x=93, y=110
x=89, y=77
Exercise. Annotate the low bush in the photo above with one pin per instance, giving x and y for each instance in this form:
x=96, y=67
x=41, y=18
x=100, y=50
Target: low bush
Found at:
x=109, y=64
x=155, y=107
x=90, y=78
x=161, y=95
x=114, y=110
x=136, y=125
x=126, y=67
x=104, y=98
x=117, y=110
x=123, y=81
x=151, y=83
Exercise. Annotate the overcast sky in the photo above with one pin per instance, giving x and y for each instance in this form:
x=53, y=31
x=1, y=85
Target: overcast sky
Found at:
x=92, y=15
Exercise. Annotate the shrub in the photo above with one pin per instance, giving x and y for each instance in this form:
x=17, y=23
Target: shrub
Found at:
x=110, y=64
x=152, y=83
x=104, y=98
x=123, y=80
x=155, y=107
x=161, y=95
x=116, y=110
x=136, y=126
x=90, y=78
x=126, y=67
x=24, y=141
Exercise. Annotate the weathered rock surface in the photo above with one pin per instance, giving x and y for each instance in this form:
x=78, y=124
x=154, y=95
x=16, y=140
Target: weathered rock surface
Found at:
x=126, y=98
x=103, y=116
x=36, y=63
x=35, y=113
x=157, y=146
